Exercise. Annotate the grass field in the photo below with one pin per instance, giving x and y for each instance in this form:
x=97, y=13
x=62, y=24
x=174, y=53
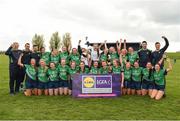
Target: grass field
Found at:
x=64, y=107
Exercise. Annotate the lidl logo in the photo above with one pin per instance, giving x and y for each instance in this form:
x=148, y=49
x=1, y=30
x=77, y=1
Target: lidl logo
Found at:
x=89, y=82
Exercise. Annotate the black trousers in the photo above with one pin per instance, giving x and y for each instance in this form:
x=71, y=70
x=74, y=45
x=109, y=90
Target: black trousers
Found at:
x=22, y=73
x=14, y=82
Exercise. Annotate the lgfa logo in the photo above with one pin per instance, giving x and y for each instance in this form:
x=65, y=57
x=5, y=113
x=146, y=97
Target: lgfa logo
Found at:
x=88, y=82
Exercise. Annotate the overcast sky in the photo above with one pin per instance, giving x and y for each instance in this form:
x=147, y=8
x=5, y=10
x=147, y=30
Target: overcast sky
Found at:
x=135, y=20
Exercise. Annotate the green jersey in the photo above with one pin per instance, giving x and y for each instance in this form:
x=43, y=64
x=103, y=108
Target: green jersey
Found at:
x=73, y=71
x=64, y=55
x=86, y=71
x=114, y=56
x=63, y=72
x=104, y=70
x=117, y=70
x=55, y=59
x=133, y=57
x=31, y=71
x=103, y=57
x=94, y=70
x=124, y=59
x=42, y=74
x=147, y=75
x=53, y=74
x=127, y=74
x=159, y=77
x=46, y=57
x=75, y=57
x=136, y=74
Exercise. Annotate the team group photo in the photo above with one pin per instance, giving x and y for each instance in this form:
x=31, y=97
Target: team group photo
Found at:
x=89, y=60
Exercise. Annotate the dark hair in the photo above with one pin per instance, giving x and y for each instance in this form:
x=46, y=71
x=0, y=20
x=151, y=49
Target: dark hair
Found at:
x=51, y=62
x=157, y=43
x=27, y=44
x=144, y=42
x=42, y=48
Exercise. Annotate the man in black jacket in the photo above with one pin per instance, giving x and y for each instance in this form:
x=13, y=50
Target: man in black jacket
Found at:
x=144, y=55
x=157, y=55
x=26, y=57
x=14, y=53
x=36, y=54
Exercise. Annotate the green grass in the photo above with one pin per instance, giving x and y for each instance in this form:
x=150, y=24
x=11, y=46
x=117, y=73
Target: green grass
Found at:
x=65, y=107
x=174, y=55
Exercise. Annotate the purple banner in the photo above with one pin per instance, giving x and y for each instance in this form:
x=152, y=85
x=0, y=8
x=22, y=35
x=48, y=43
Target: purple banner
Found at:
x=87, y=86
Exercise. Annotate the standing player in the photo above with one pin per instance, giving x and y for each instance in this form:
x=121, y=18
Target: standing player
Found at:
x=104, y=54
x=123, y=57
x=132, y=56
x=42, y=78
x=136, y=79
x=84, y=55
x=65, y=54
x=54, y=57
x=63, y=75
x=159, y=78
x=144, y=55
x=53, y=76
x=45, y=55
x=74, y=56
x=14, y=53
x=113, y=54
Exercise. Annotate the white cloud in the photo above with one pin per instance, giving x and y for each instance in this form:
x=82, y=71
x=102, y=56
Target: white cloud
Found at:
x=99, y=20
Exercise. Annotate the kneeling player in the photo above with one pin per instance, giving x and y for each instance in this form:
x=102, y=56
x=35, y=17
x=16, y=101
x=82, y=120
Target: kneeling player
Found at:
x=72, y=70
x=127, y=79
x=31, y=82
x=147, y=79
x=136, y=79
x=159, y=78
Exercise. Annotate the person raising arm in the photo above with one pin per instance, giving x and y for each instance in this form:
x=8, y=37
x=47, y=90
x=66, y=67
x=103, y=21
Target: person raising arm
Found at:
x=159, y=79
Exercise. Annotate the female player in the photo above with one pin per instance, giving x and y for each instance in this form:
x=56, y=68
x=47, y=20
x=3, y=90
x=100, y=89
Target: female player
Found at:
x=63, y=75
x=94, y=69
x=72, y=70
x=42, y=78
x=104, y=68
x=147, y=79
x=54, y=57
x=116, y=69
x=127, y=79
x=159, y=79
x=45, y=55
x=53, y=76
x=31, y=82
x=136, y=79
x=83, y=69
x=132, y=56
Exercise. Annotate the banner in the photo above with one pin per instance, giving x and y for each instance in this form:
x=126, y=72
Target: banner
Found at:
x=87, y=86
